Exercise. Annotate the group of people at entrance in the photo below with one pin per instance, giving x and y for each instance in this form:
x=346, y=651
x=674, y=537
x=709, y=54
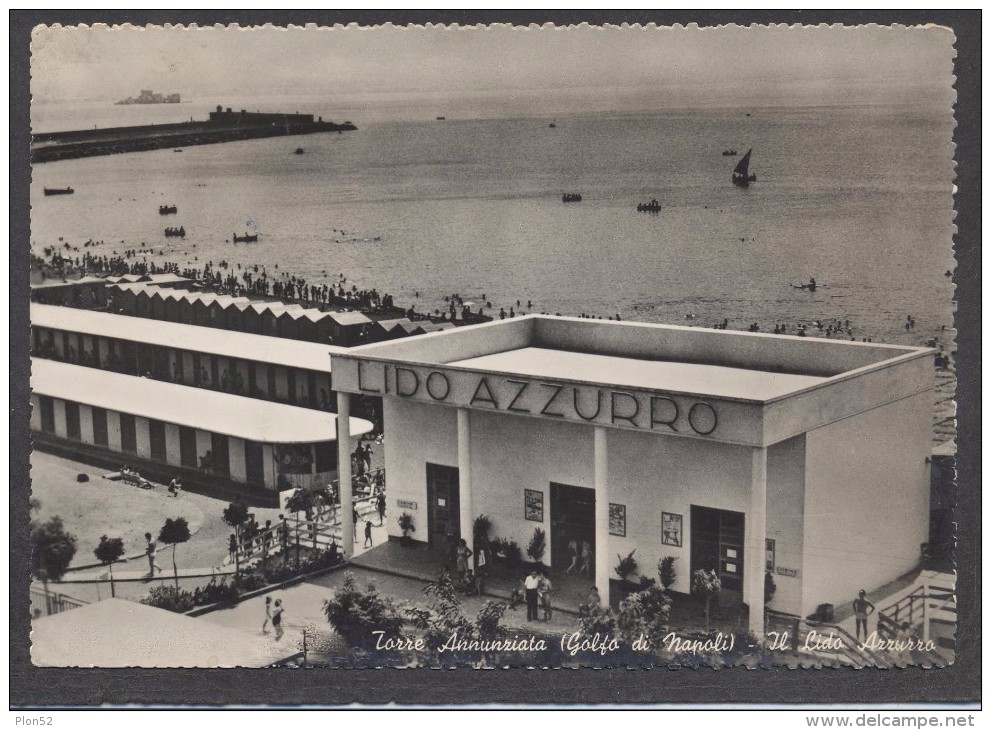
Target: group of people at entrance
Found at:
x=581, y=558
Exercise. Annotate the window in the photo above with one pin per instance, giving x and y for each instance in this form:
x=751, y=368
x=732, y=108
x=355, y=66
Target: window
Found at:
x=100, y=427
x=128, y=434
x=326, y=453
x=156, y=436
x=47, y=406
x=220, y=463
x=769, y=553
x=72, y=421
x=187, y=447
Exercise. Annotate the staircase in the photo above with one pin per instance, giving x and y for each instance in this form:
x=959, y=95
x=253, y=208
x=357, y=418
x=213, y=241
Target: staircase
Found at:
x=930, y=611
x=320, y=532
x=819, y=643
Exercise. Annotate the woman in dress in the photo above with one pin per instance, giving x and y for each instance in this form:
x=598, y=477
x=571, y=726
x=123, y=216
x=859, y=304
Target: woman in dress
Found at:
x=462, y=553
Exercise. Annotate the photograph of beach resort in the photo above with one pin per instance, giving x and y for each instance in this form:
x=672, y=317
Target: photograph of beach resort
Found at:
x=626, y=346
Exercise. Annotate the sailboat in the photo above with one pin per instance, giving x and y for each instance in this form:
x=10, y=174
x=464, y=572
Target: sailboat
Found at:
x=741, y=173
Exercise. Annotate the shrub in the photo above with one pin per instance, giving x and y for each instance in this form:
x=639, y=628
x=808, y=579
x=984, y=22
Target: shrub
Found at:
x=252, y=579
x=647, y=612
x=508, y=551
x=355, y=614
x=627, y=566
x=538, y=545
x=482, y=528
x=170, y=598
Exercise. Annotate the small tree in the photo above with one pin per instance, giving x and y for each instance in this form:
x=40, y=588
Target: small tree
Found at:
x=538, y=545
x=666, y=572
x=355, y=614
x=172, y=533
x=236, y=516
x=108, y=552
x=53, y=550
x=301, y=501
x=706, y=584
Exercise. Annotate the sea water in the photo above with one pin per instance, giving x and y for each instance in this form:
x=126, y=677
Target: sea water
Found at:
x=859, y=197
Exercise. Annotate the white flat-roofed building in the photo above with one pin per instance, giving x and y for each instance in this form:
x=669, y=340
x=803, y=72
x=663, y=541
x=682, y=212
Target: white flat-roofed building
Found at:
x=253, y=443
x=739, y=452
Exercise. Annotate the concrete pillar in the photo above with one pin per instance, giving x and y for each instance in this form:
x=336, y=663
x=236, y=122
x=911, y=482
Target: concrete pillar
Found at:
x=113, y=431
x=35, y=413
x=344, y=472
x=602, y=513
x=142, y=437
x=61, y=430
x=467, y=514
x=755, y=539
x=86, y=424
x=268, y=464
x=173, y=455
x=235, y=450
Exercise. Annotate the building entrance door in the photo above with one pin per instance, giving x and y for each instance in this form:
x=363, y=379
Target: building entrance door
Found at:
x=572, y=520
x=443, y=507
x=717, y=544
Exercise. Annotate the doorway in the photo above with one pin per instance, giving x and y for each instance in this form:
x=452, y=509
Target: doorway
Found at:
x=572, y=520
x=443, y=507
x=717, y=544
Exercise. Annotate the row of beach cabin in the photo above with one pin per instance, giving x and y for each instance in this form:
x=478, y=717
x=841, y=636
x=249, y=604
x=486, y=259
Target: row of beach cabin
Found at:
x=239, y=314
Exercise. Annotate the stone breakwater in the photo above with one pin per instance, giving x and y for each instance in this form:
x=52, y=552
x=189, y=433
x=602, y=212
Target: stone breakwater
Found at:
x=56, y=146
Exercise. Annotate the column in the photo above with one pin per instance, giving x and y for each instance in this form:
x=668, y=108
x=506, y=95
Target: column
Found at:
x=61, y=429
x=467, y=516
x=344, y=472
x=602, y=513
x=235, y=452
x=754, y=541
x=173, y=454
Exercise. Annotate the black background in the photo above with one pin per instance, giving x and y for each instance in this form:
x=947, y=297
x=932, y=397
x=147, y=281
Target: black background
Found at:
x=31, y=686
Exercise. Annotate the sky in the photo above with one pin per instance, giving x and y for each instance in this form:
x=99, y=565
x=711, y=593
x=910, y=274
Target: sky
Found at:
x=629, y=66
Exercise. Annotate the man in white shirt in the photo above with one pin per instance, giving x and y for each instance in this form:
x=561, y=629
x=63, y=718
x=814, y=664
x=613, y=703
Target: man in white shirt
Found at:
x=530, y=585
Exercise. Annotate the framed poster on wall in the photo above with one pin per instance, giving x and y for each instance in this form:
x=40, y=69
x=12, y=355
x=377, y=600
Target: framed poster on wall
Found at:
x=533, y=508
x=617, y=519
x=671, y=529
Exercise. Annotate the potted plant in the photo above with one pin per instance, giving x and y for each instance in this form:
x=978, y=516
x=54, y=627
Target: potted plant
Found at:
x=537, y=546
x=706, y=584
x=407, y=526
x=625, y=568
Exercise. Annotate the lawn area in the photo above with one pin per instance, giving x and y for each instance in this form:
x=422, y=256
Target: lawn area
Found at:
x=102, y=507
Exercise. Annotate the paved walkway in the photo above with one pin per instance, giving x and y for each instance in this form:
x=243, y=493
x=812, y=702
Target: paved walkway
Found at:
x=420, y=562
x=304, y=610
x=124, y=576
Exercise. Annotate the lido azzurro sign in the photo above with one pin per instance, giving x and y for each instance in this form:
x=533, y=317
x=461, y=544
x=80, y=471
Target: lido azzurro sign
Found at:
x=542, y=397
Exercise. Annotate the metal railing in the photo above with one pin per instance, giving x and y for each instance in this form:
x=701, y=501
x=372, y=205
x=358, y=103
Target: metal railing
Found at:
x=916, y=609
x=51, y=603
x=795, y=630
